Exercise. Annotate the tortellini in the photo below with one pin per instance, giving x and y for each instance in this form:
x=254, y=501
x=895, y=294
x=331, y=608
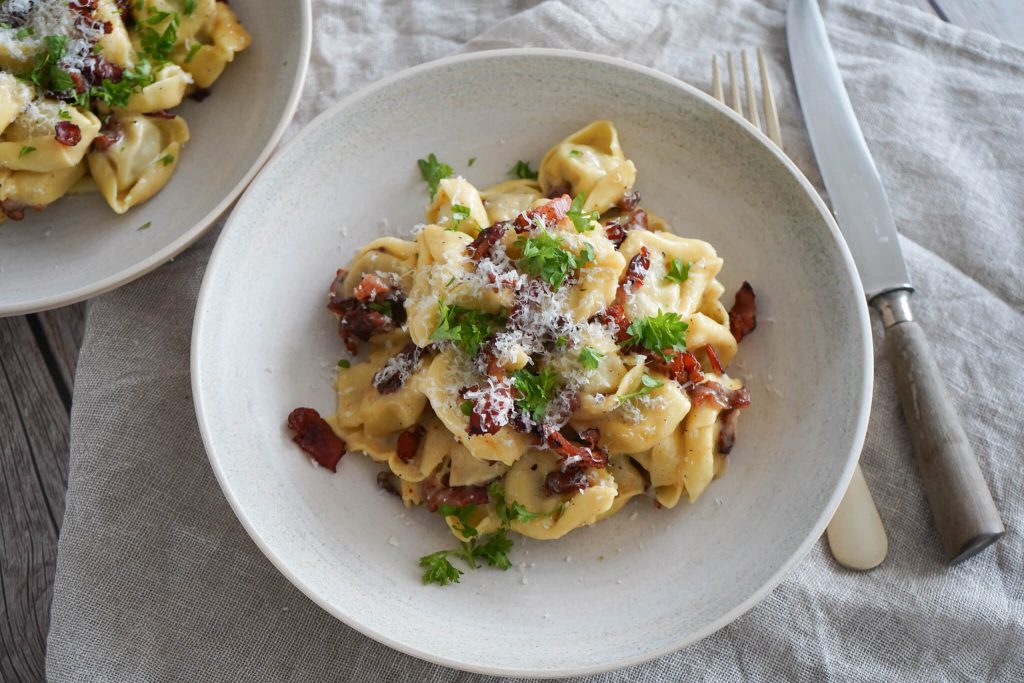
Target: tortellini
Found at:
x=135, y=168
x=75, y=82
x=551, y=366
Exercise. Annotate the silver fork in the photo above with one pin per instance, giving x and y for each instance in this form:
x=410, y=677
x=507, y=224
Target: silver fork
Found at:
x=855, y=534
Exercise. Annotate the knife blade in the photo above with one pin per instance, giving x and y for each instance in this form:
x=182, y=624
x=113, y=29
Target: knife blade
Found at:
x=965, y=514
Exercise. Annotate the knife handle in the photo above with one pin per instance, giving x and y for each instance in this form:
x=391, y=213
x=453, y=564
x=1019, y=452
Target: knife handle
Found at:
x=962, y=506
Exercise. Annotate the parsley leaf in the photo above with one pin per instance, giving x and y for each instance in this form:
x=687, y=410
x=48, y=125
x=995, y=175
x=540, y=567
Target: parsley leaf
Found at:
x=459, y=214
x=590, y=358
x=678, y=270
x=523, y=171
x=535, y=390
x=472, y=160
x=462, y=513
x=26, y=150
x=584, y=222
x=196, y=47
x=24, y=33
x=439, y=569
x=145, y=226
x=64, y=114
x=545, y=256
x=658, y=332
x=166, y=159
x=495, y=550
x=433, y=171
x=466, y=407
x=132, y=81
x=190, y=7
x=344, y=363
x=647, y=385
x=159, y=45
x=465, y=327
x=575, y=153
x=521, y=514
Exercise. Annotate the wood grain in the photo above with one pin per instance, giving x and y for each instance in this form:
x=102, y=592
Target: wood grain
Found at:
x=33, y=475
x=62, y=330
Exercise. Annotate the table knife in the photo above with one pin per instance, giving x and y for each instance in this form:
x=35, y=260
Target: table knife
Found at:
x=965, y=514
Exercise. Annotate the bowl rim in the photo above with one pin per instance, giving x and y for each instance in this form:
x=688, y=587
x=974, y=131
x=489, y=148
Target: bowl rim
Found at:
x=184, y=241
x=863, y=407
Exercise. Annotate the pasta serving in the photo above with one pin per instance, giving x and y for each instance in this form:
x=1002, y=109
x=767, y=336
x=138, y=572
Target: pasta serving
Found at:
x=539, y=353
x=85, y=89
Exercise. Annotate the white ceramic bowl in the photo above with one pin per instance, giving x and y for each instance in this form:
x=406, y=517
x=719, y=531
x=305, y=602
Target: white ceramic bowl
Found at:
x=78, y=247
x=629, y=588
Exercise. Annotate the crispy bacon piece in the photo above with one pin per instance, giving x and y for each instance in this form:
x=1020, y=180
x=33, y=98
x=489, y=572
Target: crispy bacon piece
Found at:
x=743, y=316
x=12, y=209
x=490, y=412
x=682, y=366
x=67, y=133
x=488, y=237
x=634, y=276
x=615, y=316
x=575, y=455
x=459, y=496
x=334, y=294
x=409, y=443
x=388, y=482
x=591, y=436
x=109, y=135
x=391, y=377
x=358, y=323
x=371, y=287
x=617, y=229
x=713, y=392
x=84, y=7
x=97, y=69
x=315, y=436
x=716, y=363
x=558, y=191
x=552, y=212
x=727, y=431
x=629, y=201
x=573, y=479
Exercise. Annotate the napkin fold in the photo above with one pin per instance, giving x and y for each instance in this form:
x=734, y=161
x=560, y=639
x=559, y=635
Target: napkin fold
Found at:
x=157, y=581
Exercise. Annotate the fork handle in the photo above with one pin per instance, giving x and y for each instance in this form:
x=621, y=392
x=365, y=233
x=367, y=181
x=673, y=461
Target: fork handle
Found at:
x=962, y=506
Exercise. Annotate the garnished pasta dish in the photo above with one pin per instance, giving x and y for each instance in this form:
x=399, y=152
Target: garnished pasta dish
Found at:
x=535, y=355
x=86, y=89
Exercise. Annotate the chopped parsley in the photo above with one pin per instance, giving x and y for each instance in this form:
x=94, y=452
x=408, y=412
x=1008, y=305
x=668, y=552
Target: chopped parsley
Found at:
x=647, y=385
x=45, y=75
x=472, y=160
x=196, y=47
x=495, y=549
x=575, y=153
x=467, y=328
x=535, y=390
x=439, y=568
x=678, y=270
x=561, y=342
x=466, y=407
x=146, y=225
x=584, y=222
x=189, y=7
x=166, y=159
x=545, y=256
x=24, y=32
x=658, y=332
x=523, y=171
x=26, y=150
x=132, y=81
x=156, y=44
x=590, y=358
x=459, y=214
x=508, y=513
x=433, y=172
x=462, y=513
x=64, y=114
x=344, y=363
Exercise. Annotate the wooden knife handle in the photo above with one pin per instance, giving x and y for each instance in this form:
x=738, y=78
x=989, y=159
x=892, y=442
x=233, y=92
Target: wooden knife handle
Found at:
x=962, y=506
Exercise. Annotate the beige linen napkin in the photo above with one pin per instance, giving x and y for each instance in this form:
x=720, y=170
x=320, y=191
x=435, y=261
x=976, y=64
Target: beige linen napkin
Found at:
x=157, y=581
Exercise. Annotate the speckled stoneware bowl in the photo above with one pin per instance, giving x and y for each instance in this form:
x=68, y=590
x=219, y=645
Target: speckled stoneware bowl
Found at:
x=641, y=584
x=78, y=247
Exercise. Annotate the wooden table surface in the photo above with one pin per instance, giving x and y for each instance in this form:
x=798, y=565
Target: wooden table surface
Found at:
x=38, y=354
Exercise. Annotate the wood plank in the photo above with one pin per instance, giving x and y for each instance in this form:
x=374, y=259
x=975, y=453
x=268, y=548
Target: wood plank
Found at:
x=1002, y=18
x=63, y=329
x=33, y=475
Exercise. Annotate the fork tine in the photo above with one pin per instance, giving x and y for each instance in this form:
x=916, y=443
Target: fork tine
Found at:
x=771, y=115
x=716, y=80
x=734, y=90
x=749, y=87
